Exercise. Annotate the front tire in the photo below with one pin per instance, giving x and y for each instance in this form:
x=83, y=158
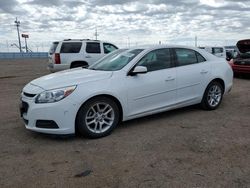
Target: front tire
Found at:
x=97, y=117
x=212, y=96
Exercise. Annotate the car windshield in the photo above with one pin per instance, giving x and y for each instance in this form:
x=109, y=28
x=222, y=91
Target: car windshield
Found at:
x=116, y=60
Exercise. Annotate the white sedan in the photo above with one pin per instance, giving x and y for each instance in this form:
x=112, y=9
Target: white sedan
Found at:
x=126, y=84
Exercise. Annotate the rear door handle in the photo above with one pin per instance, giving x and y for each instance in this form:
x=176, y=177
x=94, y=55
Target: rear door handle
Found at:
x=204, y=72
x=170, y=78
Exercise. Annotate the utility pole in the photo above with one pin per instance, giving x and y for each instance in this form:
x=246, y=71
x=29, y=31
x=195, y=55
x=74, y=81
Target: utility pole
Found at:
x=128, y=42
x=195, y=40
x=96, y=34
x=17, y=24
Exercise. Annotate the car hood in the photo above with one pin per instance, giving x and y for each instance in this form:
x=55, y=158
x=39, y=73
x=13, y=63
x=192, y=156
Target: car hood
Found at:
x=243, y=45
x=69, y=78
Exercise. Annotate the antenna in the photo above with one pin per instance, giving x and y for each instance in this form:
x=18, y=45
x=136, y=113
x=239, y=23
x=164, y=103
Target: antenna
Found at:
x=17, y=24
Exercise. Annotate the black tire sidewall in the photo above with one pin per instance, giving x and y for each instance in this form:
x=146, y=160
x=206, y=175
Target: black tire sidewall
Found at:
x=82, y=128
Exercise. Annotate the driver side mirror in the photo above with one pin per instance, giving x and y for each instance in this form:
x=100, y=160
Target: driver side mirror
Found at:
x=138, y=70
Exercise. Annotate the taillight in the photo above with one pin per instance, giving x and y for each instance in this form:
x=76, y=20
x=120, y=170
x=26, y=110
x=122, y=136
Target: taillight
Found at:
x=57, y=58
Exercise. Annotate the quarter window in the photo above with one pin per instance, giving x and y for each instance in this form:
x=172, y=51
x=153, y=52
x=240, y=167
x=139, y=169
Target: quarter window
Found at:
x=187, y=57
x=71, y=47
x=156, y=60
x=200, y=58
x=93, y=47
x=109, y=48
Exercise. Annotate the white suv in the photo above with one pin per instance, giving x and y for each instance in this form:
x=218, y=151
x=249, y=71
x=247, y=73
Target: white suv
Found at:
x=72, y=53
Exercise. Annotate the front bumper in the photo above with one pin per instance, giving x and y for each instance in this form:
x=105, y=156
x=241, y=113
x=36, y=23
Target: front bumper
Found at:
x=57, y=67
x=56, y=118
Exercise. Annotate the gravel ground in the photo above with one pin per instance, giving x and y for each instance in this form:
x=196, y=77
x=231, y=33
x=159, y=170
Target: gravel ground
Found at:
x=188, y=147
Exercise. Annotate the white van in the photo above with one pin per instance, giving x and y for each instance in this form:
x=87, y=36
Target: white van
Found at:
x=218, y=51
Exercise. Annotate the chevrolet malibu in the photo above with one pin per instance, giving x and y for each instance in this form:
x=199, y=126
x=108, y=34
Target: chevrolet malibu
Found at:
x=124, y=85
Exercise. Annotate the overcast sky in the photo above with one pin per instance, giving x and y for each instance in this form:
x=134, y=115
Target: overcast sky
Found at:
x=214, y=22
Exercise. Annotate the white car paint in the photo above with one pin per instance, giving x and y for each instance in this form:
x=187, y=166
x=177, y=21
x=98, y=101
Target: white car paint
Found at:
x=139, y=95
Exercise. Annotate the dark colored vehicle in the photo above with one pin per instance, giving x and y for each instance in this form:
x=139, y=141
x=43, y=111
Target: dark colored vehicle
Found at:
x=241, y=63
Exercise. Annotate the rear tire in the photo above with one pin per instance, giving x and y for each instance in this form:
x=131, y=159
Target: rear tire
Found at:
x=213, y=96
x=97, y=117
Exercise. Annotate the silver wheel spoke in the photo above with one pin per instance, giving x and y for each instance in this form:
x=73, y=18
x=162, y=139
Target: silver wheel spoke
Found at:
x=108, y=118
x=100, y=127
x=95, y=128
x=105, y=107
x=214, y=95
x=98, y=108
x=109, y=110
x=93, y=110
x=90, y=122
x=108, y=123
x=100, y=117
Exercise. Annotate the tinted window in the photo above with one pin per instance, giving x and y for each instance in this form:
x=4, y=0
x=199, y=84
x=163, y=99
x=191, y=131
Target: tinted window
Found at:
x=200, y=58
x=108, y=48
x=156, y=60
x=187, y=57
x=53, y=48
x=71, y=47
x=93, y=47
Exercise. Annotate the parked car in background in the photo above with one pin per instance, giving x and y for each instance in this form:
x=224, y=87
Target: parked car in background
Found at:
x=231, y=52
x=124, y=85
x=72, y=53
x=217, y=51
x=241, y=63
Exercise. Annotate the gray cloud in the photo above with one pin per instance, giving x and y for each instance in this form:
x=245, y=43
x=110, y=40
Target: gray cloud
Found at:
x=45, y=3
x=141, y=20
x=7, y=6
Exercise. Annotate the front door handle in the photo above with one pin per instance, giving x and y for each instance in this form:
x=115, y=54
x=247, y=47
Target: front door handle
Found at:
x=204, y=72
x=88, y=56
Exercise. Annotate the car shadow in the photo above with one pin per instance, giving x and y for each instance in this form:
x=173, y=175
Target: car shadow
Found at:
x=124, y=125
x=158, y=116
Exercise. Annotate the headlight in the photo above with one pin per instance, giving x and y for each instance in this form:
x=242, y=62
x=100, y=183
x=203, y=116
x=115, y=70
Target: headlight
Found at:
x=54, y=95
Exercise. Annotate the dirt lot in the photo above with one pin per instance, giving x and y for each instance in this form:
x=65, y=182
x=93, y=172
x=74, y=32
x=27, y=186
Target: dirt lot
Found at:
x=181, y=148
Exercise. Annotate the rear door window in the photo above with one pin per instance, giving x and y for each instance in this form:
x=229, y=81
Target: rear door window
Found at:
x=71, y=47
x=93, y=47
x=188, y=57
x=109, y=48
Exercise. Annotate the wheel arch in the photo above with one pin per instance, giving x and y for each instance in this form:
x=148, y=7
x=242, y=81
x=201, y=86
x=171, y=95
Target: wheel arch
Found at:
x=78, y=62
x=219, y=80
x=115, y=99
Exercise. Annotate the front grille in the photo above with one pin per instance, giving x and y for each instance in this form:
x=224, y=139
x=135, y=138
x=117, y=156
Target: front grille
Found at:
x=247, y=63
x=29, y=95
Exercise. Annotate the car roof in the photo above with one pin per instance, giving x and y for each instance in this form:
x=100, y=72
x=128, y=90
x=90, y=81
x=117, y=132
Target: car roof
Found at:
x=151, y=47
